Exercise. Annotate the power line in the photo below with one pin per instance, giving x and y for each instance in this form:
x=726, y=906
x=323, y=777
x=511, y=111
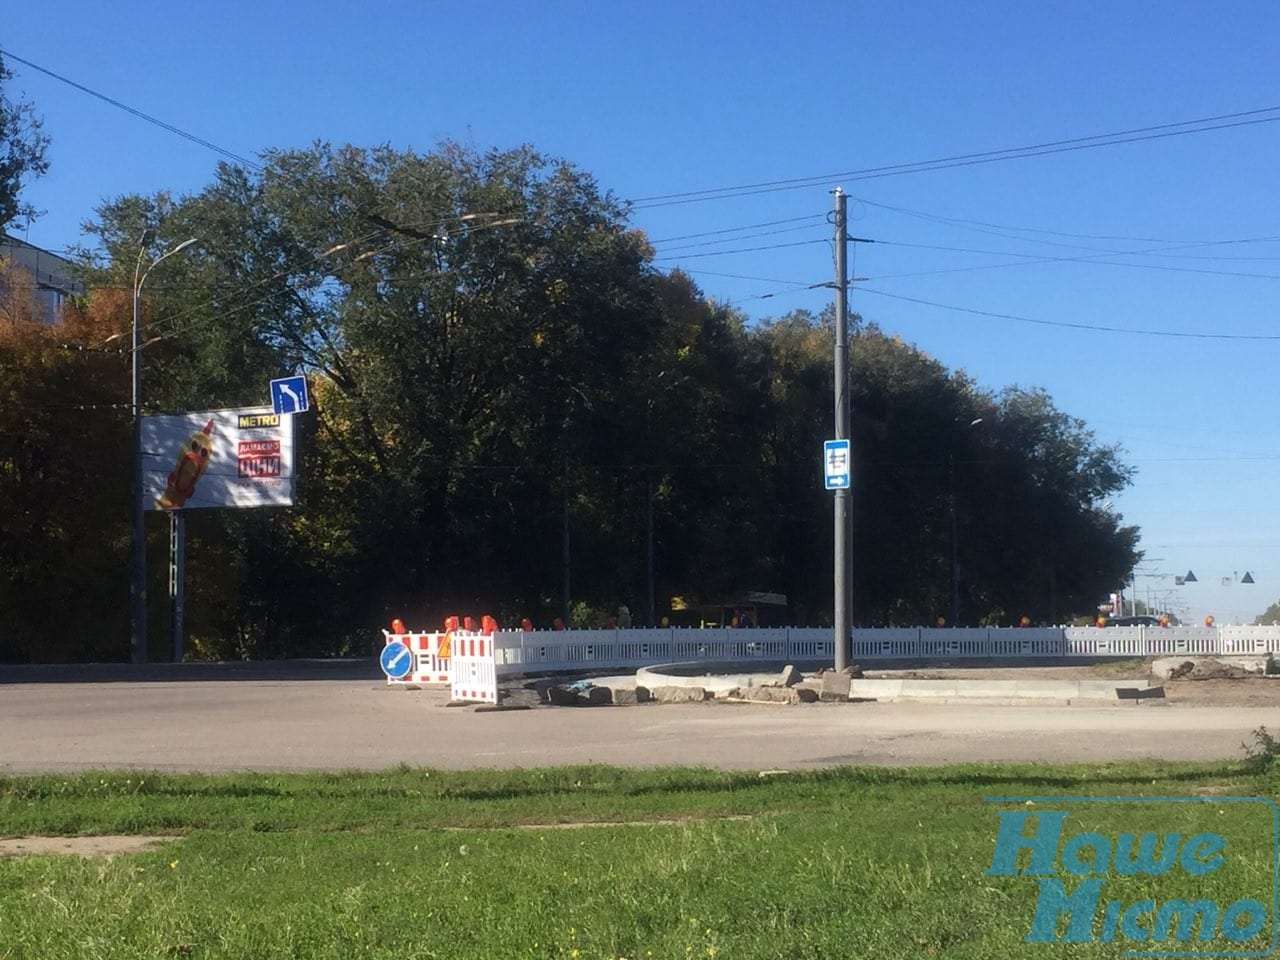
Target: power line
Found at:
x=1135, y=135
x=725, y=253
x=1098, y=328
x=1009, y=232
x=1029, y=259
x=739, y=276
x=811, y=218
x=961, y=221
x=737, y=239
x=243, y=161
x=158, y=329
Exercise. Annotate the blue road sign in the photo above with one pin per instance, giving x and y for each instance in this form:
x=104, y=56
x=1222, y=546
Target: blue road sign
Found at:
x=396, y=660
x=835, y=464
x=289, y=395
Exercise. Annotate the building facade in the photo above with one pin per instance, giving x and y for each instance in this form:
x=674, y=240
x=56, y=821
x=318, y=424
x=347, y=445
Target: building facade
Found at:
x=51, y=277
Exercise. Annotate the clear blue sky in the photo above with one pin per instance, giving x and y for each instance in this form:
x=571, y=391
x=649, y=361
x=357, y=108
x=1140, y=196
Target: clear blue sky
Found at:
x=667, y=97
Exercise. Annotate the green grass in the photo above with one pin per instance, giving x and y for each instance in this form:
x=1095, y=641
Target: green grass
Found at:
x=413, y=863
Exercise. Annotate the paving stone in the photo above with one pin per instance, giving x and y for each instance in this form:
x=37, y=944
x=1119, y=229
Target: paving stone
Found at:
x=679, y=694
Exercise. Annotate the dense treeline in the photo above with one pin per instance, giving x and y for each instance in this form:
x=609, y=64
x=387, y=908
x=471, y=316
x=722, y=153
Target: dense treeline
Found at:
x=509, y=399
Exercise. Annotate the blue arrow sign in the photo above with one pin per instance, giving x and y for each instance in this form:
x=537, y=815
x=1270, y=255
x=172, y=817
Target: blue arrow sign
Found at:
x=835, y=464
x=289, y=395
x=396, y=660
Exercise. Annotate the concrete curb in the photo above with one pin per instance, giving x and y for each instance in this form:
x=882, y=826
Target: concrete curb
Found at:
x=902, y=688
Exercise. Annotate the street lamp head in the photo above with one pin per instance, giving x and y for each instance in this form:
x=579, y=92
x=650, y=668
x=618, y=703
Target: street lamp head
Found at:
x=148, y=237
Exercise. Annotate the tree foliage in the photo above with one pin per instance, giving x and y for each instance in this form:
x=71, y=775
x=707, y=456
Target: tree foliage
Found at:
x=515, y=413
x=1269, y=615
x=23, y=144
x=63, y=482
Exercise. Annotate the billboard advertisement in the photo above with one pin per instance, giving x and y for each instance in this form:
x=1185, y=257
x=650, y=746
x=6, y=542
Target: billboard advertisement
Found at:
x=217, y=458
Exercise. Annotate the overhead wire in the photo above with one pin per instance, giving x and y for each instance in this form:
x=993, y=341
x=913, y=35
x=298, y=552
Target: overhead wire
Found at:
x=735, y=239
x=1009, y=232
x=1029, y=259
x=1137, y=134
x=753, y=226
x=159, y=329
x=186, y=135
x=1095, y=327
x=725, y=253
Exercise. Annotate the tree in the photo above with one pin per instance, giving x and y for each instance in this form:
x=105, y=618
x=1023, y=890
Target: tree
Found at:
x=22, y=152
x=467, y=318
x=64, y=483
x=1269, y=615
x=494, y=361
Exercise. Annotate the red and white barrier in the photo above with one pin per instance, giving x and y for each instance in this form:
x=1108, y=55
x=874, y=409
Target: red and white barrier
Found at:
x=430, y=653
x=475, y=672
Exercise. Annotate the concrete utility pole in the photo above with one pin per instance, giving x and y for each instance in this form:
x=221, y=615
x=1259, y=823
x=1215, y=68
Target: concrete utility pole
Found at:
x=843, y=630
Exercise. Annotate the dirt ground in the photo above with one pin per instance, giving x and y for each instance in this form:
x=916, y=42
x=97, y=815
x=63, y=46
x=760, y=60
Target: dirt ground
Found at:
x=103, y=846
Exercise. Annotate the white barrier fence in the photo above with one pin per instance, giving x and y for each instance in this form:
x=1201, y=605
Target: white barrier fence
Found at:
x=520, y=651
x=475, y=678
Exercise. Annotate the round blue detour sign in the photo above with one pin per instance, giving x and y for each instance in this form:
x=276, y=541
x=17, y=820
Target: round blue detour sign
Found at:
x=396, y=660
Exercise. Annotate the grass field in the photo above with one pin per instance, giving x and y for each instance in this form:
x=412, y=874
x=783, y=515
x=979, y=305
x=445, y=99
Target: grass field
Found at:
x=597, y=862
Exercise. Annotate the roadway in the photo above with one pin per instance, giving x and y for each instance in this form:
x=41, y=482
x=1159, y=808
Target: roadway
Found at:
x=297, y=717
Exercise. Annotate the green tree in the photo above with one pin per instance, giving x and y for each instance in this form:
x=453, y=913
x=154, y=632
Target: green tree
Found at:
x=494, y=359
x=467, y=317
x=22, y=152
x=1269, y=615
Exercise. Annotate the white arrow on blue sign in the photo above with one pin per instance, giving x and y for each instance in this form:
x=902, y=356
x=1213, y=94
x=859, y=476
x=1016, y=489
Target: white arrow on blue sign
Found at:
x=396, y=660
x=835, y=464
x=289, y=395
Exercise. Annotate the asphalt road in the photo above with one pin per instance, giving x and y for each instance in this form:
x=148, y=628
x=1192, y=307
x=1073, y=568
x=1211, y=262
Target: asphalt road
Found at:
x=241, y=718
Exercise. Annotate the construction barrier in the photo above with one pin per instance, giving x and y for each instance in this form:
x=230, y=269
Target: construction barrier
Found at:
x=475, y=674
x=430, y=653
x=545, y=651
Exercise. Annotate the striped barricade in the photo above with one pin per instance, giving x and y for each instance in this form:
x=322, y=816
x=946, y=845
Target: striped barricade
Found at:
x=430, y=652
x=475, y=671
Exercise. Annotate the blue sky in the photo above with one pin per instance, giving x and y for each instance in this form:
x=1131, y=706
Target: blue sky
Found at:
x=668, y=98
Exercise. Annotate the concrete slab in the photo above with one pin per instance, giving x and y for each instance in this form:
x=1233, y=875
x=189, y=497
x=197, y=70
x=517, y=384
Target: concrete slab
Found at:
x=889, y=688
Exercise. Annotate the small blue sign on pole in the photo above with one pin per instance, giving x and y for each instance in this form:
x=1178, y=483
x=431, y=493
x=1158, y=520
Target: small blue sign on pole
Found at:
x=289, y=395
x=396, y=660
x=835, y=464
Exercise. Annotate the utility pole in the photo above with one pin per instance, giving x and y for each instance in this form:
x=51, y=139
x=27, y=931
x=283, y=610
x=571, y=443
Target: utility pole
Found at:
x=843, y=631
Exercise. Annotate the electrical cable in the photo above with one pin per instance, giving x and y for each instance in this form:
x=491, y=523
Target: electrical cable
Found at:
x=1135, y=135
x=752, y=226
x=725, y=253
x=1099, y=328
x=1029, y=259
x=243, y=161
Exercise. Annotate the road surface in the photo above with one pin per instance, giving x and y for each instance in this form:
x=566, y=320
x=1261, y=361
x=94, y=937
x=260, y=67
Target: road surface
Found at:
x=242, y=719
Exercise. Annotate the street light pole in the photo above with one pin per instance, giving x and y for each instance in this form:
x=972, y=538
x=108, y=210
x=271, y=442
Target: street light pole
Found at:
x=138, y=545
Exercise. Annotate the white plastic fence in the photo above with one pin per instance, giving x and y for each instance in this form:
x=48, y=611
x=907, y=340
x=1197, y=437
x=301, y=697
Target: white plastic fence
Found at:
x=520, y=651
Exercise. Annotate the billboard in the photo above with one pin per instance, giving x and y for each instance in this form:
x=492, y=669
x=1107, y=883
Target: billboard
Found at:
x=217, y=458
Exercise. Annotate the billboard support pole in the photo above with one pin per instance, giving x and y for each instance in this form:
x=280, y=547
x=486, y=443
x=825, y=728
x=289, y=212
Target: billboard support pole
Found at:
x=177, y=579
